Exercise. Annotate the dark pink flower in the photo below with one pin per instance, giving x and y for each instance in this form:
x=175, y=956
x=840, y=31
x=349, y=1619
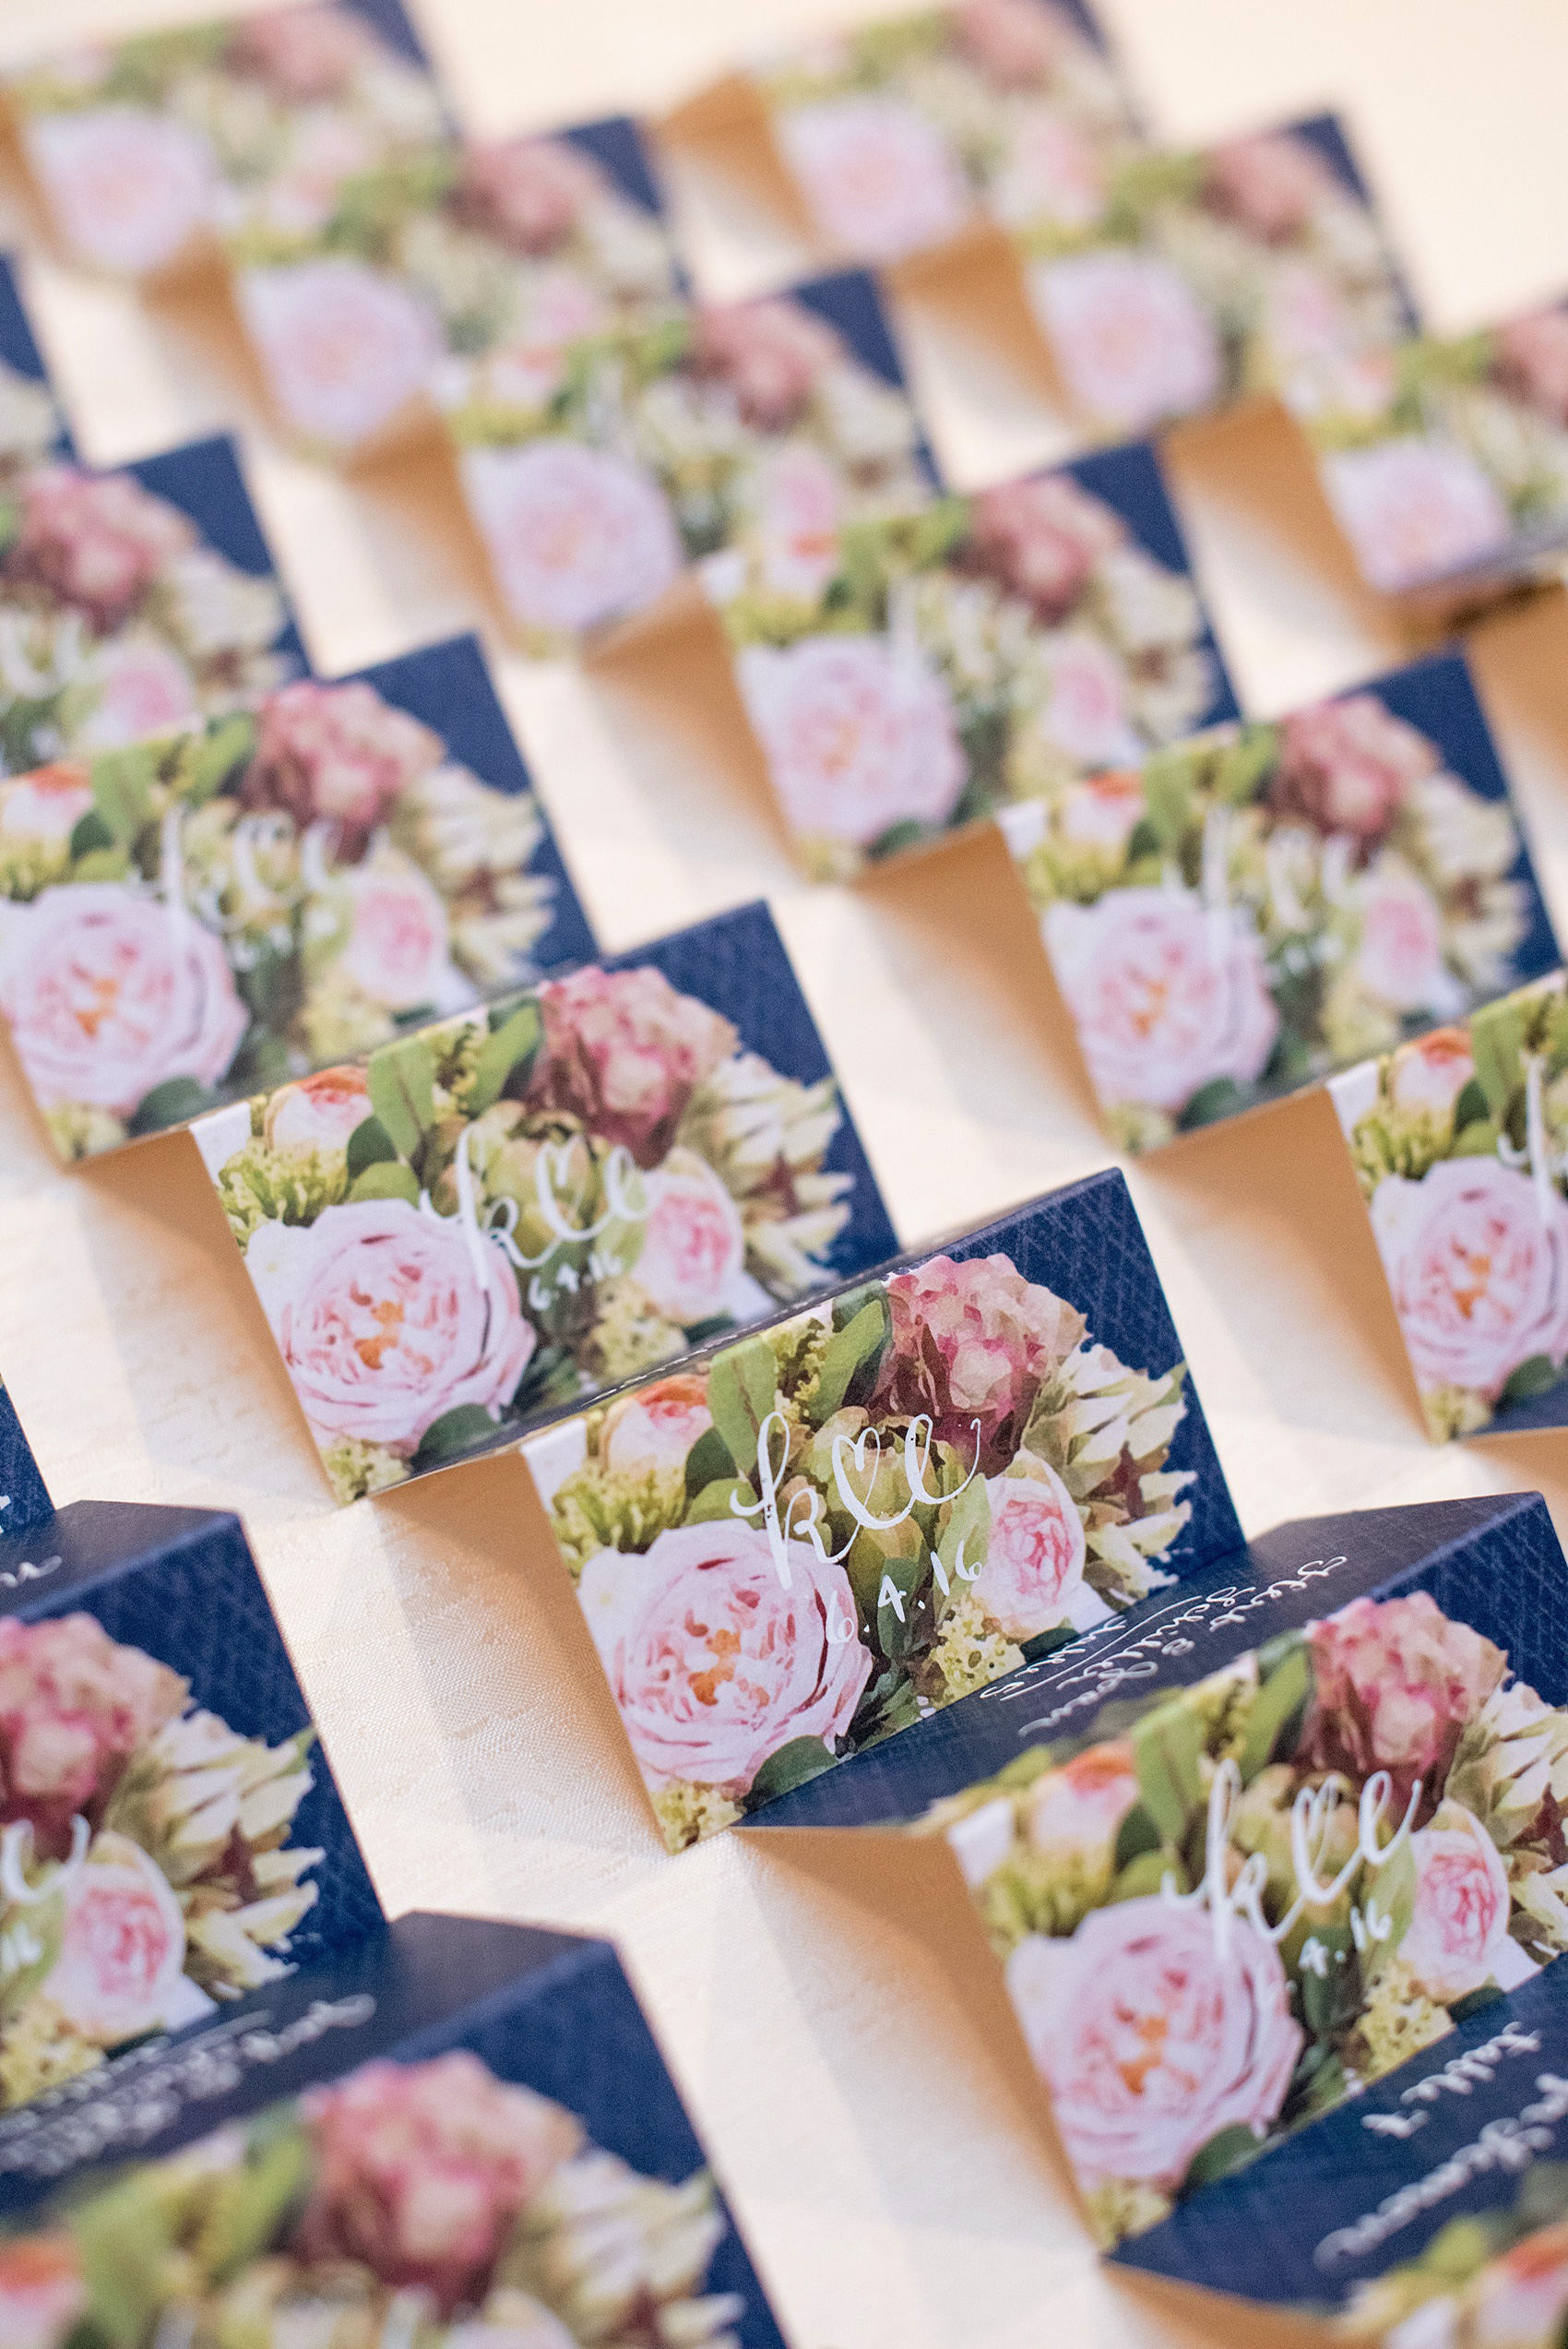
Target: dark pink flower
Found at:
x=1532, y=359
x=529, y=192
x=1041, y=538
x=74, y=1706
x=973, y=1345
x=1394, y=1683
x=305, y=53
x=1018, y=44
x=771, y=353
x=1348, y=765
x=1272, y=184
x=624, y=1052
x=339, y=753
x=94, y=541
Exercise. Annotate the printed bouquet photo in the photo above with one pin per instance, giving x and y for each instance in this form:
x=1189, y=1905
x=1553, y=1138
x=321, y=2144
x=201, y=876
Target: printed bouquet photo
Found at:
x=910, y=673
x=1189, y=281
x=429, y=2203
x=1494, y=2279
x=596, y=469
x=146, y=1870
x=1255, y=909
x=898, y=132
x=510, y=1211
x=1445, y=458
x=117, y=620
x=231, y=907
x=809, y=1542
x=1460, y=1147
x=1230, y=1909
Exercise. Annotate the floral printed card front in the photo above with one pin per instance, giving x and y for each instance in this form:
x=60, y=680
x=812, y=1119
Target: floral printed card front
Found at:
x=212, y=910
x=927, y=667
x=1460, y=1146
x=790, y=1549
x=1446, y=462
x=1248, y=912
x=498, y=1216
x=31, y=426
x=170, y=1836
x=462, y=2132
x=598, y=468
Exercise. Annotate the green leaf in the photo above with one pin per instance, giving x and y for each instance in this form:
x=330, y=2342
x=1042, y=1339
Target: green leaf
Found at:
x=1472, y=1108
x=402, y=1080
x=907, y=1576
x=1136, y=1834
x=124, y=2240
x=710, y=1505
x=847, y=1355
x=709, y=1458
x=458, y=1430
x=90, y=832
x=103, y=865
x=1280, y=1700
x=1330, y=1998
x=1388, y=1893
x=1497, y=1045
x=1169, y=779
x=1143, y=840
x=1045, y=1643
x=1221, y=1097
x=370, y=1144
x=170, y=1104
x=251, y=2203
x=968, y=1529
x=388, y=1179
x=1536, y=1376
x=802, y=1758
x=1245, y=764
x=516, y=1040
x=121, y=790
x=1475, y=2002
x=1167, y=1747
x=907, y=834
x=1145, y=1874
x=1228, y=2150
x=213, y=760
x=700, y=1332
x=742, y=1387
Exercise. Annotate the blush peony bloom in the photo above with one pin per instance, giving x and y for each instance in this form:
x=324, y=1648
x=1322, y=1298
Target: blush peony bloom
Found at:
x=47, y=805
x=1165, y=995
x=42, y=2293
x=1400, y=959
x=973, y=1342
x=713, y=1664
x=624, y=1052
x=306, y=53
x=140, y=689
x=108, y=994
x=1103, y=811
x=1415, y=509
x=345, y=347
x=130, y=190
x=1087, y=712
x=337, y=754
x=1348, y=766
x=75, y=1705
x=1460, y=1922
x=420, y=2171
x=1532, y=359
x=657, y=1427
x=1433, y=1072
x=1151, y=2040
x=1018, y=44
x=529, y=193
x=1034, y=1559
x=800, y=502
x=1075, y=1813
x=693, y=1247
x=121, y=1968
x=770, y=353
x=577, y=536
x=1272, y=184
x=319, y=1113
x=1133, y=342
x=398, y=949
x=1395, y=1682
x=386, y=1318
x=858, y=734
x=878, y=176
x=1479, y=1272
x=1041, y=538
x=96, y=542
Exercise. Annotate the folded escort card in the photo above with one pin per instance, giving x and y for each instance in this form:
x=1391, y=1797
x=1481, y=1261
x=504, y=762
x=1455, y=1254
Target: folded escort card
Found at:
x=170, y=1836
x=1460, y=1147
x=459, y=2133
x=1251, y=911
x=924, y=667
x=504, y=1212
x=1446, y=462
x=209, y=911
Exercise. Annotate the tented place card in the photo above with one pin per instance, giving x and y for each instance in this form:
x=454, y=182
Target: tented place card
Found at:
x=1251, y=911
x=1446, y=462
x=1460, y=1146
x=462, y=2132
x=171, y=1836
x=793, y=1548
x=502, y=1213
x=221, y=908
x=923, y=668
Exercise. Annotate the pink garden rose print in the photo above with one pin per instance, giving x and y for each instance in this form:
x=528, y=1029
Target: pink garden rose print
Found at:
x=1261, y=906
x=1460, y=1146
x=509, y=1209
x=347, y=350
x=1168, y=1887
x=962, y=1477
